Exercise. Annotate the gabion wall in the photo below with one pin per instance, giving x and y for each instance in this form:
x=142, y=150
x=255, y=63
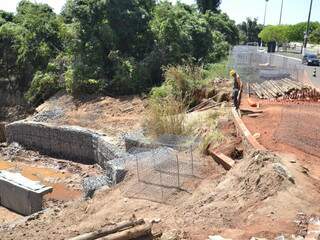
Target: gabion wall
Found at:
x=68, y=142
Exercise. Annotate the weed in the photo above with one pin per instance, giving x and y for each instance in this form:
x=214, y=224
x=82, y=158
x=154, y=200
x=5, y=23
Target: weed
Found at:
x=166, y=116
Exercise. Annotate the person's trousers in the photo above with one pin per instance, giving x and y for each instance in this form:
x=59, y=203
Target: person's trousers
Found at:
x=236, y=98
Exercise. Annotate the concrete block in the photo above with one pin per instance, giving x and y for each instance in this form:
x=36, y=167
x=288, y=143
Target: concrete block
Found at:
x=20, y=194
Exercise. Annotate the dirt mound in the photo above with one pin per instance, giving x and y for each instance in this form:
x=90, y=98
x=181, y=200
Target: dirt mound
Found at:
x=254, y=179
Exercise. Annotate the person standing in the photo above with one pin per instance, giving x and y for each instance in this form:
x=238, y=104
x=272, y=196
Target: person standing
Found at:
x=237, y=89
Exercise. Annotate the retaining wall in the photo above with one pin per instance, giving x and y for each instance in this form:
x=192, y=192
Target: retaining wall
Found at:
x=2, y=132
x=68, y=142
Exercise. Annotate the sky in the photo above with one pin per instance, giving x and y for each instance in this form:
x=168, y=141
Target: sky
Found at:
x=294, y=11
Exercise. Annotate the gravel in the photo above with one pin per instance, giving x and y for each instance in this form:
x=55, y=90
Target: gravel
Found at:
x=91, y=184
x=48, y=115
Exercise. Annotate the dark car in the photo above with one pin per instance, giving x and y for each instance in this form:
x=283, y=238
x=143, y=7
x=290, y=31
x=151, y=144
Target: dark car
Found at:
x=310, y=60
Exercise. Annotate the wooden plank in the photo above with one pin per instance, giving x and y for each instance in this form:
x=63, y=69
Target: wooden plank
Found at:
x=132, y=233
x=108, y=230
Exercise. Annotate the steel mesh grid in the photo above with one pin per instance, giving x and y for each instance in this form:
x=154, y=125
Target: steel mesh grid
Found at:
x=162, y=171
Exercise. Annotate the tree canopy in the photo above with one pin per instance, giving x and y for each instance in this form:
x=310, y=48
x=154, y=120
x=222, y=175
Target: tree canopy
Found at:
x=249, y=30
x=289, y=33
x=107, y=46
x=208, y=5
x=275, y=33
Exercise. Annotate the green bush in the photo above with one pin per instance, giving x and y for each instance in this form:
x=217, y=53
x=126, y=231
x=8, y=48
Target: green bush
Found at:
x=43, y=86
x=180, y=82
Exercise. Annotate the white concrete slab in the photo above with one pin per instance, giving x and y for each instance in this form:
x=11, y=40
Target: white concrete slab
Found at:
x=21, y=194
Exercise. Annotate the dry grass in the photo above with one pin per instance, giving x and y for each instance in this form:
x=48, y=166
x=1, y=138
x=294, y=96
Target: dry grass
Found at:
x=215, y=137
x=166, y=116
x=205, y=125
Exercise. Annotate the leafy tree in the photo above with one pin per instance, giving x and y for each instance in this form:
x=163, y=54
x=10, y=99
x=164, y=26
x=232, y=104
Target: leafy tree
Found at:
x=249, y=30
x=275, y=33
x=5, y=17
x=315, y=36
x=222, y=23
x=102, y=28
x=208, y=5
x=108, y=46
x=289, y=33
x=296, y=31
x=13, y=67
x=184, y=35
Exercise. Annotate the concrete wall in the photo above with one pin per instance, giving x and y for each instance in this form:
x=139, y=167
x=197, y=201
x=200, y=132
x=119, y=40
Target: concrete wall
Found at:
x=68, y=142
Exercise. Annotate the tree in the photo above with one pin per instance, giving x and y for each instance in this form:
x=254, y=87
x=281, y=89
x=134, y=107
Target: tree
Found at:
x=315, y=36
x=296, y=31
x=208, y=5
x=289, y=33
x=249, y=30
x=222, y=23
x=29, y=40
x=5, y=17
x=278, y=34
x=185, y=35
x=107, y=46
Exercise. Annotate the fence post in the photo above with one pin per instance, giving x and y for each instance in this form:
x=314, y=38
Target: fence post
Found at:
x=137, y=161
x=178, y=168
x=191, y=152
x=161, y=185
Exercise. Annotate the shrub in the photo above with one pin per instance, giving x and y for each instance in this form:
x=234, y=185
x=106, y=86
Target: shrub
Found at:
x=122, y=81
x=166, y=116
x=181, y=82
x=43, y=86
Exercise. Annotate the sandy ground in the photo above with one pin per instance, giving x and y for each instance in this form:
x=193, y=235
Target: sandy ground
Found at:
x=250, y=200
x=290, y=129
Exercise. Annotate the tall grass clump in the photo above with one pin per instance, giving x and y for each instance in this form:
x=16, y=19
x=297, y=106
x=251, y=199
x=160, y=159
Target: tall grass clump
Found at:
x=166, y=116
x=168, y=104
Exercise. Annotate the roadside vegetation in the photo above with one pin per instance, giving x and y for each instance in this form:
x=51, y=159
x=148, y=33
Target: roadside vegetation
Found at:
x=185, y=87
x=290, y=33
x=110, y=47
x=249, y=31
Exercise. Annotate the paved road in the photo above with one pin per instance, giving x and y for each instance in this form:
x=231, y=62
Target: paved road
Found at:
x=291, y=60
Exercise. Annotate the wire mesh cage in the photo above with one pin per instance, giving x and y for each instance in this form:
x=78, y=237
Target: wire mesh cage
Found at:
x=165, y=169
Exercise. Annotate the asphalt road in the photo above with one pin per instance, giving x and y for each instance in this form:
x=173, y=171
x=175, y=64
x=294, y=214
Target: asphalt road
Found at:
x=309, y=69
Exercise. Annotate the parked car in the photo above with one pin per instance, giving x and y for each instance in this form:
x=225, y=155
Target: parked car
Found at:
x=310, y=59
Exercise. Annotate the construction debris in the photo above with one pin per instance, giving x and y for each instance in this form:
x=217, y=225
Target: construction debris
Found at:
x=205, y=105
x=126, y=230
x=285, y=88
